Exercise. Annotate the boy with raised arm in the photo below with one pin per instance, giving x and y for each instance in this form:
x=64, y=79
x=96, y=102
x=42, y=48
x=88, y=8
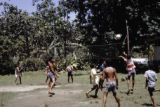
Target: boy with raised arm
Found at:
x=130, y=67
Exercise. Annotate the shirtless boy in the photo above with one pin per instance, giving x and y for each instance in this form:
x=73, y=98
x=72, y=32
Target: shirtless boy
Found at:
x=110, y=76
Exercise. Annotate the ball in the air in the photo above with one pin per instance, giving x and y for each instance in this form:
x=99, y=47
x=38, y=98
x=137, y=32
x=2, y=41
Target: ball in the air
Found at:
x=118, y=36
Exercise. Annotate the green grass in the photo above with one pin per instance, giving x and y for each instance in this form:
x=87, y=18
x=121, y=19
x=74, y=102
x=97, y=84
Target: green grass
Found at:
x=38, y=78
x=28, y=78
x=140, y=98
x=82, y=77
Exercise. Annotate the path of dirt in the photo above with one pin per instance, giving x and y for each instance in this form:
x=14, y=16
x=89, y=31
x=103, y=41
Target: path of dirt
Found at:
x=24, y=88
x=21, y=88
x=69, y=95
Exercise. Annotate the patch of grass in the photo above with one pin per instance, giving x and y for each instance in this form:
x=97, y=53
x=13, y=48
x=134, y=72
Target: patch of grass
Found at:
x=81, y=77
x=140, y=95
x=28, y=78
x=38, y=78
x=140, y=98
x=34, y=78
x=81, y=73
x=6, y=80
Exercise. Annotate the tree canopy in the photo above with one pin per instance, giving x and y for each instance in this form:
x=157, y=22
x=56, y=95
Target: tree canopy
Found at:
x=48, y=31
x=102, y=19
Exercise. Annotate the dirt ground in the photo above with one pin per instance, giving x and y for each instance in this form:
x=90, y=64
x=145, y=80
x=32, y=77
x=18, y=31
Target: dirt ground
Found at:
x=72, y=95
x=69, y=95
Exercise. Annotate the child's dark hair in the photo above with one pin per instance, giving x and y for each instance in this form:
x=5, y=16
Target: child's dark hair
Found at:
x=49, y=59
x=17, y=64
x=128, y=56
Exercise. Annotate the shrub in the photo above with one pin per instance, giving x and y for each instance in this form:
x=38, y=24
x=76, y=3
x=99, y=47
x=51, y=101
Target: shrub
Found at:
x=33, y=64
x=7, y=67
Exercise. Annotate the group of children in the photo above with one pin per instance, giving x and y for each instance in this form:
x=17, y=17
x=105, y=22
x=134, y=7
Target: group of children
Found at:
x=105, y=78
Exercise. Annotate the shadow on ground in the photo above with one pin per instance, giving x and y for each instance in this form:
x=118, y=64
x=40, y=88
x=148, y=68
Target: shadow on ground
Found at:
x=148, y=105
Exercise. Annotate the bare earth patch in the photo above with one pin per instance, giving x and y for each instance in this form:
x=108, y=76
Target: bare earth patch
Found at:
x=20, y=88
x=72, y=95
x=69, y=95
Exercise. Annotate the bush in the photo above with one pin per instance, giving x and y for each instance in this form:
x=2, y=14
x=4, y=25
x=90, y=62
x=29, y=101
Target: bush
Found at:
x=7, y=67
x=33, y=64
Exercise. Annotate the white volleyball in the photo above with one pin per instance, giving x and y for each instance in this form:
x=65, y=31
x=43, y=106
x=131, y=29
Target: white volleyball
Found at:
x=118, y=36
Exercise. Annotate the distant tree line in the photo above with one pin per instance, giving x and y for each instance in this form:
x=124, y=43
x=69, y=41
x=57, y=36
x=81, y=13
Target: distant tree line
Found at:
x=33, y=37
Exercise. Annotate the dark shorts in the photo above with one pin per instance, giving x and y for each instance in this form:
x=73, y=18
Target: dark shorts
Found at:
x=132, y=74
x=51, y=76
x=70, y=74
x=101, y=83
x=94, y=87
x=151, y=90
x=110, y=88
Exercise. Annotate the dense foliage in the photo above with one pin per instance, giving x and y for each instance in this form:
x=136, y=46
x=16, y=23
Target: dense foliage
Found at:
x=32, y=38
x=102, y=19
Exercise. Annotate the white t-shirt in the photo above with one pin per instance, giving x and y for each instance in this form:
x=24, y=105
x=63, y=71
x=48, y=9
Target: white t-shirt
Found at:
x=152, y=77
x=130, y=65
x=94, y=76
x=69, y=68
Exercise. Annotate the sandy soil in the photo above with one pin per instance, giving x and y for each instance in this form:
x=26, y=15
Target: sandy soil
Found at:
x=68, y=95
x=21, y=88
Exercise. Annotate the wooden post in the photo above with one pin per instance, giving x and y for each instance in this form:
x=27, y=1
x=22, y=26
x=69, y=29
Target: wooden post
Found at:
x=127, y=35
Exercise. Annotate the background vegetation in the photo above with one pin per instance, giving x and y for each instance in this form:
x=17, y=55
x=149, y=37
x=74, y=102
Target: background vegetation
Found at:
x=32, y=38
